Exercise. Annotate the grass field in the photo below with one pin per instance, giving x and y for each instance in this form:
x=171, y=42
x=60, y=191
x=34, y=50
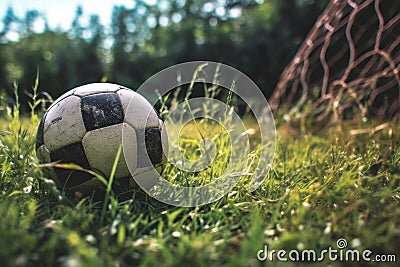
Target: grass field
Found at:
x=321, y=188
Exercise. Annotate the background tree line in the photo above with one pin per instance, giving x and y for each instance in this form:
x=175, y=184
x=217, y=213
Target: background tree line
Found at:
x=256, y=37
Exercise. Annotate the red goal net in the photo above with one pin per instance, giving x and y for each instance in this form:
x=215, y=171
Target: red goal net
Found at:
x=348, y=65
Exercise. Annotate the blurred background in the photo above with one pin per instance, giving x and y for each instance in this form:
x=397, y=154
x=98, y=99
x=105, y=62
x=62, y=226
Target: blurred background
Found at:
x=70, y=43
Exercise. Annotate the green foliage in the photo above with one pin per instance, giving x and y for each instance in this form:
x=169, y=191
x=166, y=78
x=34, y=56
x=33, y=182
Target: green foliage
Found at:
x=259, y=40
x=320, y=188
x=17, y=145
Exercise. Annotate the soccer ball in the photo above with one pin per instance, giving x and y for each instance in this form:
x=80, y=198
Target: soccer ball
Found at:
x=86, y=126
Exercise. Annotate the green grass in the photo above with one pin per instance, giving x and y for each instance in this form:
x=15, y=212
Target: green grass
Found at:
x=321, y=188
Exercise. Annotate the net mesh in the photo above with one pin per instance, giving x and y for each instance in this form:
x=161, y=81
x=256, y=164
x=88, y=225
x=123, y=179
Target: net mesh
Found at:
x=348, y=65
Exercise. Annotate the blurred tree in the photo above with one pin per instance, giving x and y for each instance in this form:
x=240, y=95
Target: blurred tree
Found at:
x=31, y=16
x=88, y=41
x=9, y=22
x=121, y=67
x=38, y=52
x=63, y=60
x=257, y=38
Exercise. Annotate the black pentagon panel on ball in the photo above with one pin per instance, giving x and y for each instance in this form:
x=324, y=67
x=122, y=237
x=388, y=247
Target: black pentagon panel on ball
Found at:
x=40, y=132
x=152, y=145
x=101, y=110
x=72, y=153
